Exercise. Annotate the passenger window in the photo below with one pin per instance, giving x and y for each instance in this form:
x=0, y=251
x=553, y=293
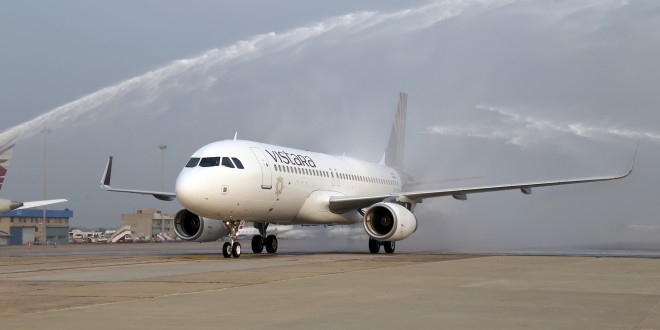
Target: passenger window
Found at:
x=209, y=162
x=226, y=162
x=238, y=163
x=192, y=162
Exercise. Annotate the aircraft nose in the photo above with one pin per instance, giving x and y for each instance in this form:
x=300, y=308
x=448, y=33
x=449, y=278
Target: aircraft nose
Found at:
x=189, y=190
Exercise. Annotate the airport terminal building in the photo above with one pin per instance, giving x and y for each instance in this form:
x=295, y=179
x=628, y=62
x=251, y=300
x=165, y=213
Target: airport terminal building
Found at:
x=20, y=227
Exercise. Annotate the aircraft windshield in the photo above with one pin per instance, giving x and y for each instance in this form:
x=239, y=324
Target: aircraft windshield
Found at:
x=192, y=162
x=209, y=162
x=237, y=162
x=231, y=162
x=227, y=162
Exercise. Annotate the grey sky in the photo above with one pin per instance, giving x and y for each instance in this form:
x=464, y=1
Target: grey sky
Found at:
x=510, y=91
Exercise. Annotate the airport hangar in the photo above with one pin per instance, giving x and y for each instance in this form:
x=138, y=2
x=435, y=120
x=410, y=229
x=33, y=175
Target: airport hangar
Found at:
x=20, y=227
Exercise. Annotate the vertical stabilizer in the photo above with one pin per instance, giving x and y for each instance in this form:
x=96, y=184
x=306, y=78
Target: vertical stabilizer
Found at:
x=6, y=150
x=395, y=147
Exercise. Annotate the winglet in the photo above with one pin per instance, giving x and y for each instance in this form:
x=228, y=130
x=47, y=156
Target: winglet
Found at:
x=632, y=167
x=105, y=181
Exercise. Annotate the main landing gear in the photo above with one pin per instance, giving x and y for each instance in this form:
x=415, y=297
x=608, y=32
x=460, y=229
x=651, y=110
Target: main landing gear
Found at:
x=258, y=241
x=232, y=248
x=374, y=246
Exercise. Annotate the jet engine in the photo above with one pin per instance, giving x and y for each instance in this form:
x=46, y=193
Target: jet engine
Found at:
x=389, y=222
x=7, y=205
x=191, y=227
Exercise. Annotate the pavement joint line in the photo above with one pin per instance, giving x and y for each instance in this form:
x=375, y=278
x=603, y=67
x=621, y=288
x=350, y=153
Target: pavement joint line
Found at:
x=219, y=289
x=646, y=316
x=86, y=267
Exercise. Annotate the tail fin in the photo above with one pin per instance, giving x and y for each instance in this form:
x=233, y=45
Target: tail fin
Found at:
x=6, y=150
x=395, y=147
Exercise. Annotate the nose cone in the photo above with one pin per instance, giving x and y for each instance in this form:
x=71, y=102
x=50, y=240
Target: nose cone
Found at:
x=191, y=190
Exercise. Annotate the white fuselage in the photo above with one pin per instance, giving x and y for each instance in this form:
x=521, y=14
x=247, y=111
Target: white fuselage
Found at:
x=277, y=184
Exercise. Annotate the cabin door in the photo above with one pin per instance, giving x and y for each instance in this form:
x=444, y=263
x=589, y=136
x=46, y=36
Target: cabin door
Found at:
x=266, y=175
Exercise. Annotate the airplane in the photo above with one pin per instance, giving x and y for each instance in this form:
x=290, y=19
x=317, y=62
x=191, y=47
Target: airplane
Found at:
x=6, y=205
x=227, y=183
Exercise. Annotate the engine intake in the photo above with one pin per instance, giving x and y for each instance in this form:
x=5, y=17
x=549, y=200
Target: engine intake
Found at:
x=389, y=222
x=191, y=227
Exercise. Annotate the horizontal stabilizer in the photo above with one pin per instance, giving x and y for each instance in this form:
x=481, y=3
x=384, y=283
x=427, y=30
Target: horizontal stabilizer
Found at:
x=31, y=205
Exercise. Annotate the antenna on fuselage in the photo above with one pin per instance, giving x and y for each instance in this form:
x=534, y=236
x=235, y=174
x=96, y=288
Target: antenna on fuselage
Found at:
x=235, y=135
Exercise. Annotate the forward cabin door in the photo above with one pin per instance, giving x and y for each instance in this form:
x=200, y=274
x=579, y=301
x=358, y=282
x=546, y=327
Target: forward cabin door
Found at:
x=266, y=175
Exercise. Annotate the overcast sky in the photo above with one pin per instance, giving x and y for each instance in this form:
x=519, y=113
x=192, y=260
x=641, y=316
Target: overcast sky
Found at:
x=506, y=91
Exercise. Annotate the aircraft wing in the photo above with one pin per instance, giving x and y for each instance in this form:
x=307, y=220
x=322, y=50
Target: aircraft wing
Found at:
x=341, y=204
x=105, y=185
x=30, y=205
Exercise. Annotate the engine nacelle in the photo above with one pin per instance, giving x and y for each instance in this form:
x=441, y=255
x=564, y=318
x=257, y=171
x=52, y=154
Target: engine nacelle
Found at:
x=7, y=205
x=389, y=222
x=191, y=227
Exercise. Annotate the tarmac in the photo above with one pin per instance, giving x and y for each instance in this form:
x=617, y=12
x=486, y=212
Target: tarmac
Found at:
x=186, y=285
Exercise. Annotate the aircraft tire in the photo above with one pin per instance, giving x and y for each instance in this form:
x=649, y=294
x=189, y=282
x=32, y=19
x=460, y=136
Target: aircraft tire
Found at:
x=374, y=245
x=271, y=244
x=226, y=249
x=236, y=250
x=257, y=244
x=389, y=247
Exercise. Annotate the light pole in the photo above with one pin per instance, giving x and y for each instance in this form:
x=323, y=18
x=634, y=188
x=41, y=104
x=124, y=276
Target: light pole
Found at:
x=162, y=148
x=43, y=236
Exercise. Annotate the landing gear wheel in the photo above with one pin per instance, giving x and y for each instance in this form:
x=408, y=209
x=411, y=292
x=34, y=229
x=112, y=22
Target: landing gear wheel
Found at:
x=389, y=247
x=271, y=244
x=374, y=245
x=257, y=244
x=236, y=250
x=226, y=249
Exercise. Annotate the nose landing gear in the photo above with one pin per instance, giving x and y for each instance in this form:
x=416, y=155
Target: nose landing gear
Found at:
x=232, y=248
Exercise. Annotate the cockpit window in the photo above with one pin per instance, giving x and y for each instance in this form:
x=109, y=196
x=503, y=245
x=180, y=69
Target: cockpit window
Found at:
x=192, y=162
x=209, y=162
x=237, y=162
x=226, y=162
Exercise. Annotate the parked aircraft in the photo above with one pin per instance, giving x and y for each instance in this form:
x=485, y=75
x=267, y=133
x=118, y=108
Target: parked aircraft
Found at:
x=227, y=183
x=7, y=205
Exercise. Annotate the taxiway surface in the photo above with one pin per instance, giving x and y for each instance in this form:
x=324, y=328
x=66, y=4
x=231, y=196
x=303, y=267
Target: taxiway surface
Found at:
x=192, y=286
